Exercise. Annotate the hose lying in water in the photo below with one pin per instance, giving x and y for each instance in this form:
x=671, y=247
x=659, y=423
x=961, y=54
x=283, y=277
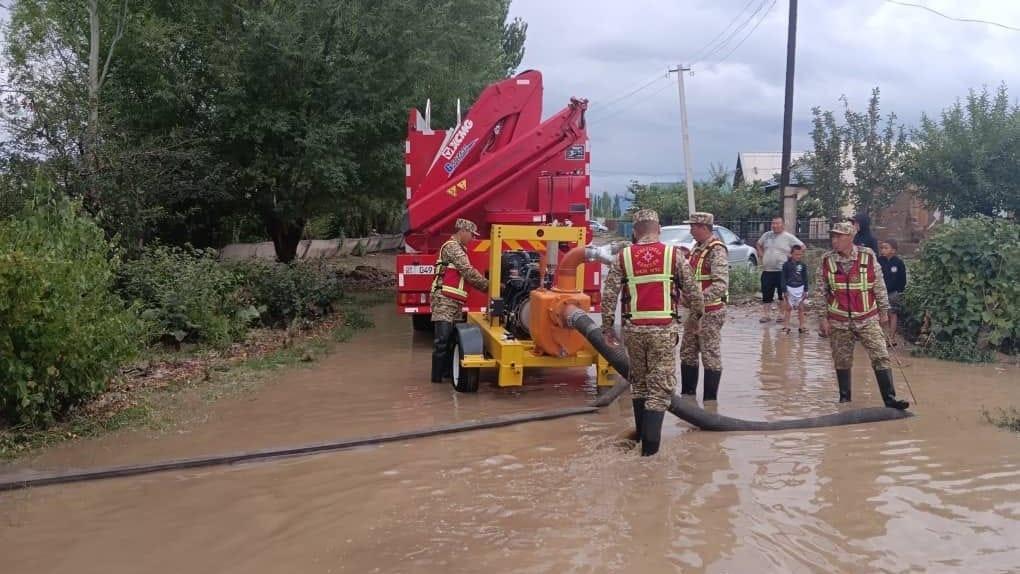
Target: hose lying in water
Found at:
x=43, y=479
x=689, y=411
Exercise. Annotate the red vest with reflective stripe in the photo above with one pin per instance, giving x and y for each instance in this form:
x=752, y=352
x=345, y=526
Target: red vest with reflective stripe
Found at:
x=703, y=272
x=852, y=290
x=448, y=280
x=648, y=272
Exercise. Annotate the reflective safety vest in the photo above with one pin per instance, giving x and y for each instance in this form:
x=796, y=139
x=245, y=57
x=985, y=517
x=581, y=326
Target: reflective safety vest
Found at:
x=851, y=291
x=703, y=273
x=448, y=280
x=648, y=274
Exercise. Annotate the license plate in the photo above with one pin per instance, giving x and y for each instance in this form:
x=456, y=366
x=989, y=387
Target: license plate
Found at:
x=419, y=269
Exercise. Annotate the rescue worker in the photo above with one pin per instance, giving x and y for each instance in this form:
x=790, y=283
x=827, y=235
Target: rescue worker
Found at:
x=710, y=261
x=649, y=273
x=449, y=292
x=850, y=282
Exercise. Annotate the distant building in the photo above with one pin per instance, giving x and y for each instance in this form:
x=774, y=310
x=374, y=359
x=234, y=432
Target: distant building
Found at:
x=754, y=167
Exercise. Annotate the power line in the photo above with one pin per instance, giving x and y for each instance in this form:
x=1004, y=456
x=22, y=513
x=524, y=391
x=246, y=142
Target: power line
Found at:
x=749, y=34
x=953, y=18
x=617, y=112
x=697, y=55
x=640, y=88
x=722, y=45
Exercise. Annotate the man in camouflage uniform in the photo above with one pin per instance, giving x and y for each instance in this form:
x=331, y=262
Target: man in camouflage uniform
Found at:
x=711, y=266
x=453, y=269
x=856, y=301
x=650, y=321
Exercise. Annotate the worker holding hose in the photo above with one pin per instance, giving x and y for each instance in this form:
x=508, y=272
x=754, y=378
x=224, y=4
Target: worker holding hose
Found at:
x=856, y=301
x=649, y=274
x=449, y=292
x=711, y=266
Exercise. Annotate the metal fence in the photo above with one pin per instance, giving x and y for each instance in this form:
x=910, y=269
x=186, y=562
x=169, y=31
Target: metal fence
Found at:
x=750, y=230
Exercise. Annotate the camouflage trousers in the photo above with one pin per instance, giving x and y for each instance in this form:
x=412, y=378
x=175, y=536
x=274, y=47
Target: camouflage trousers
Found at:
x=652, y=364
x=705, y=343
x=446, y=309
x=870, y=334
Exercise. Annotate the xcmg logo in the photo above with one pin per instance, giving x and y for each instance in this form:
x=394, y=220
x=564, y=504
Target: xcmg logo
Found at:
x=458, y=138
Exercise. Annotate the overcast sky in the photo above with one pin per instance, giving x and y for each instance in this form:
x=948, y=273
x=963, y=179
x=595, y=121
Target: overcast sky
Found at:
x=603, y=49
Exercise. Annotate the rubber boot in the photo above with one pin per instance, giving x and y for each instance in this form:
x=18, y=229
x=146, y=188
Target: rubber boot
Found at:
x=885, y=386
x=651, y=432
x=688, y=379
x=711, y=384
x=441, y=360
x=639, y=414
x=843, y=378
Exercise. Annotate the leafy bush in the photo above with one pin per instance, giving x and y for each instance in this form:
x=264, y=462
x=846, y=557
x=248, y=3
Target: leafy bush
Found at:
x=963, y=295
x=63, y=331
x=187, y=295
x=303, y=290
x=744, y=281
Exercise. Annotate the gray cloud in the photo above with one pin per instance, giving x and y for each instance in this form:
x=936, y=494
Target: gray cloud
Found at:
x=601, y=49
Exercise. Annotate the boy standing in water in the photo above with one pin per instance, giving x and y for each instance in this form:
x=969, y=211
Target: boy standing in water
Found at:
x=894, y=271
x=795, y=278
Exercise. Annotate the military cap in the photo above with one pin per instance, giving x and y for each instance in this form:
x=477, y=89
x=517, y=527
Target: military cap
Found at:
x=466, y=225
x=645, y=215
x=702, y=217
x=842, y=228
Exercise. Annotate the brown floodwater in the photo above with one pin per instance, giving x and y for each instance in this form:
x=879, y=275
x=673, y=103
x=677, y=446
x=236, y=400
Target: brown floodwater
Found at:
x=936, y=493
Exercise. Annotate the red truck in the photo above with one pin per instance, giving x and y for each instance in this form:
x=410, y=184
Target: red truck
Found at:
x=500, y=165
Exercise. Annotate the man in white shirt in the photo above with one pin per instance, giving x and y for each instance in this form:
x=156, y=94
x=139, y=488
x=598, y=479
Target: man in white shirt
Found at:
x=773, y=251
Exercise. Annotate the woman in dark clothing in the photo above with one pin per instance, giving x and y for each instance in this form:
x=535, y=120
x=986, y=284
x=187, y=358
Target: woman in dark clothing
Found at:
x=864, y=237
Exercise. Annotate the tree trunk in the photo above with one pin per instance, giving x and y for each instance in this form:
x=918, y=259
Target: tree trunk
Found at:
x=286, y=235
x=92, y=130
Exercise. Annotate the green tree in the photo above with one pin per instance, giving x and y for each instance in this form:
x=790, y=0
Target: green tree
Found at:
x=617, y=210
x=876, y=154
x=827, y=163
x=968, y=162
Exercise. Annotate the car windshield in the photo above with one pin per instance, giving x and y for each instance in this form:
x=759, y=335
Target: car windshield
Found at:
x=676, y=235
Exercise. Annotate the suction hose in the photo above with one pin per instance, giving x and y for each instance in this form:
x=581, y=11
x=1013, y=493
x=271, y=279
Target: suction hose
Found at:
x=690, y=412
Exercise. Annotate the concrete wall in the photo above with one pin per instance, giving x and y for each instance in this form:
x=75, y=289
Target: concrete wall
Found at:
x=315, y=248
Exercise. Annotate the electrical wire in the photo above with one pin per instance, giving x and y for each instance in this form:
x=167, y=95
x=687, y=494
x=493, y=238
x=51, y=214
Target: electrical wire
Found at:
x=749, y=34
x=953, y=18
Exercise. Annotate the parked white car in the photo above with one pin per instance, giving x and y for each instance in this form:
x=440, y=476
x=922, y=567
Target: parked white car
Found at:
x=739, y=252
x=597, y=227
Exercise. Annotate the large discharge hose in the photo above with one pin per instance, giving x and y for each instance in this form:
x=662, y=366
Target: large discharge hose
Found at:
x=689, y=411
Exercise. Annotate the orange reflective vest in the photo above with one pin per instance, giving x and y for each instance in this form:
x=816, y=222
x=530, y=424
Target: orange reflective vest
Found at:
x=648, y=274
x=448, y=280
x=851, y=291
x=703, y=273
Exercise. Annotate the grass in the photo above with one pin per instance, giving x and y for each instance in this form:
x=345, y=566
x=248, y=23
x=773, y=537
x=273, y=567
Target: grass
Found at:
x=1008, y=419
x=168, y=406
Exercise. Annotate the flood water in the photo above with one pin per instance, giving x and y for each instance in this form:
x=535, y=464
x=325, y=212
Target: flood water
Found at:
x=939, y=492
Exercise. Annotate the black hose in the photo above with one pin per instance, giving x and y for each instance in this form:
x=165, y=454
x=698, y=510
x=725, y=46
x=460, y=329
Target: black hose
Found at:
x=690, y=412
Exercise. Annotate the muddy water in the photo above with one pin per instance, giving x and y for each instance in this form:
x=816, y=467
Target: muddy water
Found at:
x=936, y=493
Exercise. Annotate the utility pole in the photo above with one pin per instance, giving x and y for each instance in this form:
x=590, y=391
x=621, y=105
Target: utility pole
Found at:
x=789, y=204
x=687, y=138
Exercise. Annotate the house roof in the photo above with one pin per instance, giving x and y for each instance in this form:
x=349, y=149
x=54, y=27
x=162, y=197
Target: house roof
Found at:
x=754, y=167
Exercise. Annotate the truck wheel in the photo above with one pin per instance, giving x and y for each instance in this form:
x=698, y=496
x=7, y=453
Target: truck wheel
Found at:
x=469, y=342
x=421, y=322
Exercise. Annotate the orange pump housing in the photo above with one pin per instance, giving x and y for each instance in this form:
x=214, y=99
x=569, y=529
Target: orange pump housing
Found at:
x=547, y=324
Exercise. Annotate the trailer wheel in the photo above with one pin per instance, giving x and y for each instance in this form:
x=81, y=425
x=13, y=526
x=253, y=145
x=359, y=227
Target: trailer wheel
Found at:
x=469, y=342
x=421, y=322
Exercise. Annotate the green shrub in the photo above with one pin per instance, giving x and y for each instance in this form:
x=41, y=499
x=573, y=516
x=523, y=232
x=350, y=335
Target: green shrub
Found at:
x=187, y=295
x=63, y=330
x=963, y=294
x=744, y=281
x=284, y=293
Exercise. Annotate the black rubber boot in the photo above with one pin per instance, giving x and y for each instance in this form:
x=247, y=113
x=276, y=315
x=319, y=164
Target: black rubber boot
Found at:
x=843, y=378
x=443, y=342
x=639, y=414
x=711, y=384
x=651, y=432
x=688, y=379
x=885, y=386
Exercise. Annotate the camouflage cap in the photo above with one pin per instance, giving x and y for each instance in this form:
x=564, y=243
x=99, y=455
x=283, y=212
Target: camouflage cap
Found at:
x=466, y=225
x=645, y=215
x=702, y=217
x=842, y=228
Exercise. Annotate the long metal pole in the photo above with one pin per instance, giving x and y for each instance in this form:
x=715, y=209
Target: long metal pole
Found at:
x=787, y=204
x=686, y=137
